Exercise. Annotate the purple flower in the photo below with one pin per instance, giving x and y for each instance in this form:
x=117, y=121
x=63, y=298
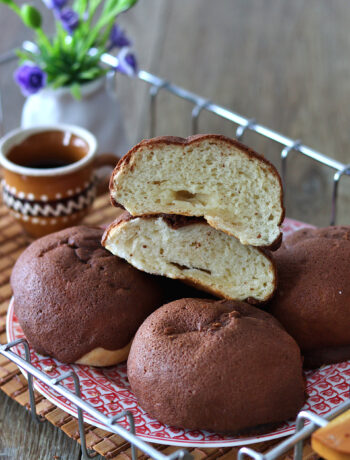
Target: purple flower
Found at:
x=118, y=37
x=30, y=78
x=55, y=4
x=70, y=19
x=127, y=63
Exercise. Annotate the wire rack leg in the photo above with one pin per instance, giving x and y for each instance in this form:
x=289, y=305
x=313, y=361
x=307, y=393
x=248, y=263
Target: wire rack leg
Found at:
x=153, y=93
x=35, y=417
x=195, y=115
x=75, y=378
x=302, y=416
x=84, y=448
x=130, y=417
x=284, y=155
x=336, y=178
x=132, y=429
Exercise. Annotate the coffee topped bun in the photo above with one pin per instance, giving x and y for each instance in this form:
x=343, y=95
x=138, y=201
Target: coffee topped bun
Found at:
x=74, y=298
x=313, y=295
x=235, y=189
x=216, y=365
x=189, y=249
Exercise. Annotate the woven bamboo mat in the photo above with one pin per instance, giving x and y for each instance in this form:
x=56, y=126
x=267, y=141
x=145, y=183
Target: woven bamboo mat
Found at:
x=12, y=382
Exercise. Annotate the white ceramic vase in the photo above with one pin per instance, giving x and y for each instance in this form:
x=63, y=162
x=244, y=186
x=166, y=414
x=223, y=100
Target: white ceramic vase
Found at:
x=98, y=111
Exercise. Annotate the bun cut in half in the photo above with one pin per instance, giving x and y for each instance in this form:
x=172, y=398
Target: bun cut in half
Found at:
x=189, y=249
x=235, y=189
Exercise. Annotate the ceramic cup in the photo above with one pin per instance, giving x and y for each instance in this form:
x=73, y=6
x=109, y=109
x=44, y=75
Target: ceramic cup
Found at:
x=49, y=176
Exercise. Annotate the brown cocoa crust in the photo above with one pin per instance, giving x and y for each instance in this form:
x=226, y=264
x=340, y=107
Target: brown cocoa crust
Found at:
x=72, y=295
x=174, y=221
x=168, y=140
x=204, y=364
x=313, y=296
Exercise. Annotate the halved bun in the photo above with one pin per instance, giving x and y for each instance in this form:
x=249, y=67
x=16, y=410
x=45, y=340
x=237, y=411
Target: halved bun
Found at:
x=190, y=250
x=233, y=188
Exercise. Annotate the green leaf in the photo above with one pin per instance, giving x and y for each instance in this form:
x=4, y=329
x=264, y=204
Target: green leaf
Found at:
x=75, y=90
x=121, y=4
x=12, y=5
x=90, y=74
x=116, y=7
x=25, y=56
x=43, y=43
x=59, y=81
x=93, y=5
x=80, y=6
x=31, y=16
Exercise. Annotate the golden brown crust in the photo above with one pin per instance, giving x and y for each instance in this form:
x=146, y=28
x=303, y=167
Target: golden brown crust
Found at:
x=168, y=140
x=100, y=357
x=184, y=221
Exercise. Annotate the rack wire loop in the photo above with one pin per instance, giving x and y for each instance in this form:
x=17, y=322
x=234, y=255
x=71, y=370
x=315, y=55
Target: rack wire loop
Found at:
x=241, y=129
x=284, y=155
x=181, y=454
x=197, y=109
x=336, y=179
x=245, y=451
x=153, y=93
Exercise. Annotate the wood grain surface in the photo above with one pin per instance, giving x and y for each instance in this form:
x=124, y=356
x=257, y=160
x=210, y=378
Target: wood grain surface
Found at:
x=285, y=63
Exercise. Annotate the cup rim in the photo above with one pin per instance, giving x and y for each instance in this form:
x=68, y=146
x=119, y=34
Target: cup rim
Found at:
x=18, y=135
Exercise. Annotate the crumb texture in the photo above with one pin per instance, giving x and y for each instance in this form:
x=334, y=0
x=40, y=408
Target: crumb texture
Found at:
x=194, y=252
x=234, y=189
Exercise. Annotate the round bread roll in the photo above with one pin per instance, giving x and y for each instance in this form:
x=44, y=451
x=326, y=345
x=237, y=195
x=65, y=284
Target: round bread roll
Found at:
x=215, y=365
x=77, y=302
x=234, y=188
x=313, y=296
x=187, y=248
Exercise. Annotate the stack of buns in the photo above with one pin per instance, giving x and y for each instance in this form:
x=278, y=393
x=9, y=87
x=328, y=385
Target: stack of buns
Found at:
x=207, y=210
x=203, y=209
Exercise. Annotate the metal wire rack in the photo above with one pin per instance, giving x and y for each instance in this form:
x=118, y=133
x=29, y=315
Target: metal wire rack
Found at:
x=244, y=124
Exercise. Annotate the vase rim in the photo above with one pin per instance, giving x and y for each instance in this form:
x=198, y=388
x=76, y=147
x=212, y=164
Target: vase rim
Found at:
x=18, y=135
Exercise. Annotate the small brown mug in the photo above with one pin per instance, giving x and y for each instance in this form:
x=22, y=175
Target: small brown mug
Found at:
x=49, y=176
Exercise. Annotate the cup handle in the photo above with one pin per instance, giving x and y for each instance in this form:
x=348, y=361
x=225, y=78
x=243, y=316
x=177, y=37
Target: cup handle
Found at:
x=104, y=159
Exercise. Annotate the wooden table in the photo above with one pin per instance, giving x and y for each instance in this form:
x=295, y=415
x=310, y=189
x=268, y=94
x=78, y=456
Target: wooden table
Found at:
x=285, y=63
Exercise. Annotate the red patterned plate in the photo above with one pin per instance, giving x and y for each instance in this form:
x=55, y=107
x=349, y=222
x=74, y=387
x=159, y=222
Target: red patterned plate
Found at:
x=108, y=391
